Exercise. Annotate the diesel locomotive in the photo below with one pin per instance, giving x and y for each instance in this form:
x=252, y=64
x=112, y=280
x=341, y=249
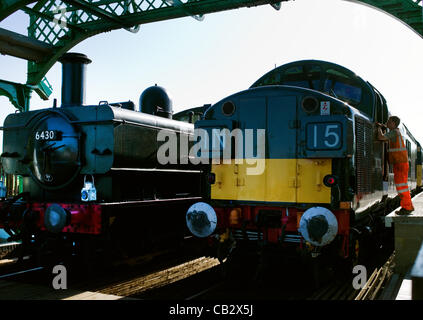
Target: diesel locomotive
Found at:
x=325, y=181
x=92, y=171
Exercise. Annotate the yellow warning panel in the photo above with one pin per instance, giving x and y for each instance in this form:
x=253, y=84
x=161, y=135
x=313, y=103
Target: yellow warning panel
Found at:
x=310, y=173
x=281, y=180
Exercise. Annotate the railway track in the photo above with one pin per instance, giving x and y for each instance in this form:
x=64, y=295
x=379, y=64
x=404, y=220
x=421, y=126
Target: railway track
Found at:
x=127, y=286
x=345, y=290
x=160, y=278
x=201, y=279
x=162, y=275
x=7, y=249
x=129, y=277
x=336, y=291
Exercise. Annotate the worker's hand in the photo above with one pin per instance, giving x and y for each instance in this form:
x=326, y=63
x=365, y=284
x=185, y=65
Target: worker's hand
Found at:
x=381, y=125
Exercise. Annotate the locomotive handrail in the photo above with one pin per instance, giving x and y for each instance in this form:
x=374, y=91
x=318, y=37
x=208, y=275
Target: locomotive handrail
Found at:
x=155, y=170
x=149, y=202
x=121, y=121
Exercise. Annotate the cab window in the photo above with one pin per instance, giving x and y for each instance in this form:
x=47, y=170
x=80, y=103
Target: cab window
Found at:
x=303, y=76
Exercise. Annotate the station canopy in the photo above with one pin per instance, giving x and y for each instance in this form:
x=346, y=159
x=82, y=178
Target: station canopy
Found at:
x=55, y=26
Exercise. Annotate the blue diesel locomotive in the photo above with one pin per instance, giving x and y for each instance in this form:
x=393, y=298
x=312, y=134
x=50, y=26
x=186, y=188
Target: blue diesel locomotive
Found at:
x=325, y=181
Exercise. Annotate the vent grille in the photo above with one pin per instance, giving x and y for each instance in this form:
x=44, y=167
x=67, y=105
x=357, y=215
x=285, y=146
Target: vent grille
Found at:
x=364, y=155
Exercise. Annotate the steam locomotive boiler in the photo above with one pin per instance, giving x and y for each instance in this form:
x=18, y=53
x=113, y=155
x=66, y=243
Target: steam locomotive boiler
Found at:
x=93, y=169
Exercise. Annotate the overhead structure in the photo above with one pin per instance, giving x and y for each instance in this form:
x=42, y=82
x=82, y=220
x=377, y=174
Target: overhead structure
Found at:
x=409, y=12
x=58, y=25
x=63, y=24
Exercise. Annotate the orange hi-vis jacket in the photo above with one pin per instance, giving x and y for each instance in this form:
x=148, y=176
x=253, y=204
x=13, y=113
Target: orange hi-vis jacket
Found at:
x=398, y=157
x=397, y=150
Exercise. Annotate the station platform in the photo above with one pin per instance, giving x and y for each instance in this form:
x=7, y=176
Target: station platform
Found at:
x=408, y=235
x=405, y=290
x=408, y=230
x=10, y=290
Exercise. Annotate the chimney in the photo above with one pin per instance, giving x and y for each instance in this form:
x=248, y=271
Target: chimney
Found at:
x=73, y=79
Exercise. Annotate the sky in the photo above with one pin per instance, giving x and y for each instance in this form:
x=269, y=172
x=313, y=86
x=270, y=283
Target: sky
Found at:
x=203, y=62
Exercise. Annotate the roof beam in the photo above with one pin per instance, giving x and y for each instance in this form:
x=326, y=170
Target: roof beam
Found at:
x=408, y=12
x=51, y=18
x=37, y=71
x=98, y=12
x=7, y=7
x=107, y=15
x=173, y=12
x=21, y=46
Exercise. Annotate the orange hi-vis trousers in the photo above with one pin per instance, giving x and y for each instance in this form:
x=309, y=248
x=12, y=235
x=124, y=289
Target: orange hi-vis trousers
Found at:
x=400, y=178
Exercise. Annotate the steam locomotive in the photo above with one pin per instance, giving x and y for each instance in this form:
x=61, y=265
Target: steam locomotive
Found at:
x=325, y=183
x=92, y=171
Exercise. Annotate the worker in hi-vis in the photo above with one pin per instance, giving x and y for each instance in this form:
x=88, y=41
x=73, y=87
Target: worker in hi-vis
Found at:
x=398, y=158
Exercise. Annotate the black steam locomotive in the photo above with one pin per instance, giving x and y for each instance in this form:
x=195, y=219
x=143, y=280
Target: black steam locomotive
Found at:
x=93, y=170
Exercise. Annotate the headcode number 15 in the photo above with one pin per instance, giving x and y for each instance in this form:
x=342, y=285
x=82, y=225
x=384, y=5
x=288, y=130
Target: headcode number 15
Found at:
x=325, y=136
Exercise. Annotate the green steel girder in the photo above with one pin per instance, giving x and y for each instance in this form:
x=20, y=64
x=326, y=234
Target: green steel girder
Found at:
x=409, y=12
x=18, y=94
x=56, y=26
x=61, y=24
x=7, y=7
x=64, y=23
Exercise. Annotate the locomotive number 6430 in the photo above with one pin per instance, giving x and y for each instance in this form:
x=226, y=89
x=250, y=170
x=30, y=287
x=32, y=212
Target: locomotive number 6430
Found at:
x=46, y=135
